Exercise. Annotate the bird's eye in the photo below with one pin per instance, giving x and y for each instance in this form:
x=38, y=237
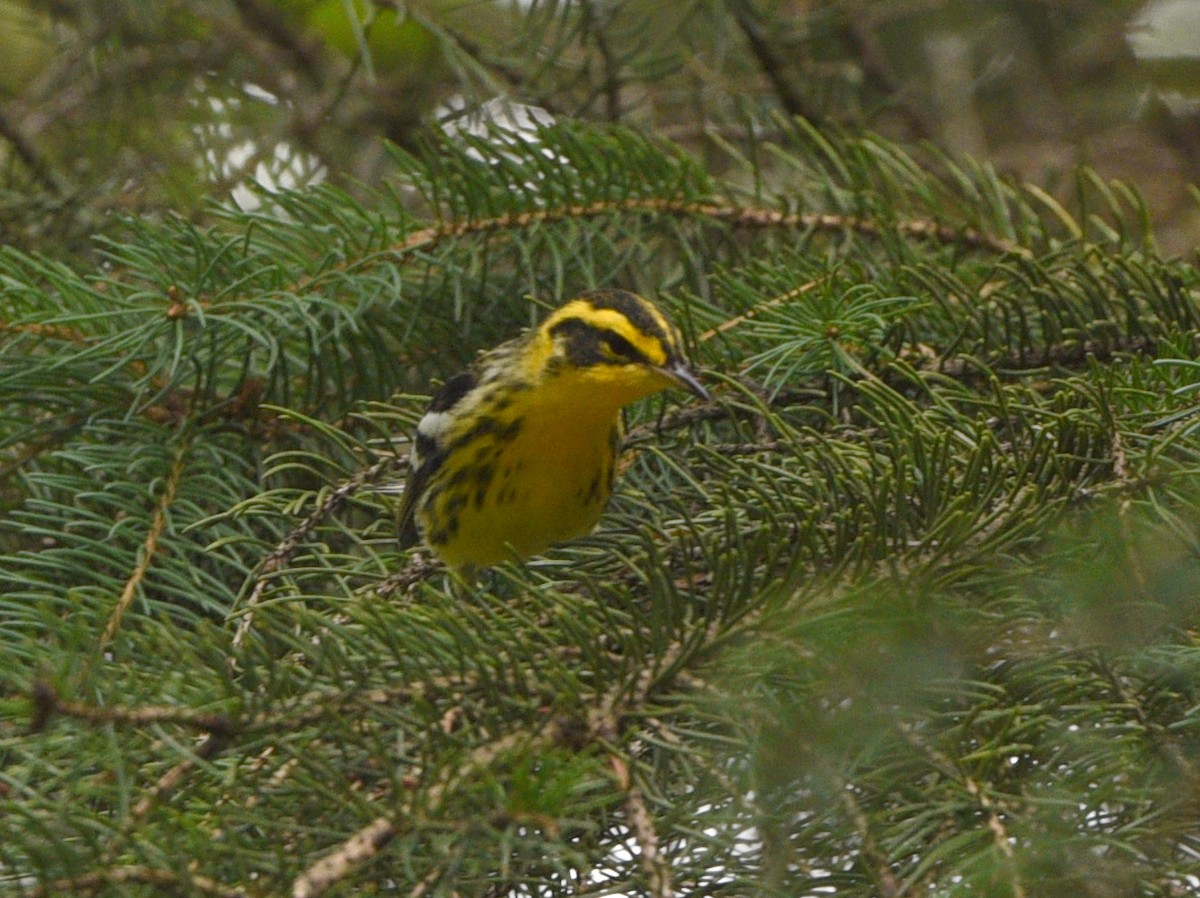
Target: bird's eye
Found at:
x=619, y=346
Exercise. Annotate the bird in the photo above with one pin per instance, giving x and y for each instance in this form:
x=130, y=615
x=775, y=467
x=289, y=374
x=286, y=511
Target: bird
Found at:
x=519, y=452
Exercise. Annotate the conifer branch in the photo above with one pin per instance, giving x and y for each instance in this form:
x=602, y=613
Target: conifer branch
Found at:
x=279, y=556
x=875, y=860
x=911, y=425
x=150, y=547
x=131, y=875
x=424, y=239
x=641, y=823
x=47, y=704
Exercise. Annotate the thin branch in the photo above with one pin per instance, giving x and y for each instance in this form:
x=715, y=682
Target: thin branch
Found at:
x=878, y=866
x=1017, y=360
x=368, y=841
x=336, y=866
x=27, y=450
x=1160, y=736
x=871, y=56
x=770, y=61
x=602, y=727
x=611, y=83
x=734, y=216
x=37, y=165
x=950, y=769
x=283, y=551
x=1000, y=837
x=168, y=880
x=266, y=21
x=418, y=569
x=641, y=823
x=754, y=310
x=47, y=704
x=209, y=747
x=158, y=526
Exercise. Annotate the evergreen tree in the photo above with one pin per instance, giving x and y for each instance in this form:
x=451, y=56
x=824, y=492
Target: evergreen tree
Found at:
x=907, y=608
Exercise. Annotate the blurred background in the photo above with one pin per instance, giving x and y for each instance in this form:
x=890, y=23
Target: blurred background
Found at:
x=133, y=106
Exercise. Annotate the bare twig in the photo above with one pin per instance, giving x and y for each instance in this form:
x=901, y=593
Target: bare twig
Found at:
x=266, y=21
x=611, y=83
x=29, y=155
x=770, y=60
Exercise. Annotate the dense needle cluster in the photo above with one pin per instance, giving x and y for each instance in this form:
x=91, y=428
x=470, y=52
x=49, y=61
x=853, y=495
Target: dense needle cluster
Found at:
x=520, y=451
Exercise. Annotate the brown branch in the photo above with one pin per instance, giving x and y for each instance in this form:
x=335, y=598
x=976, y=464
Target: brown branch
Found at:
x=1000, y=837
x=995, y=823
x=48, y=704
x=367, y=842
x=641, y=823
x=149, y=548
x=209, y=747
x=419, y=568
x=734, y=216
x=283, y=551
x=168, y=880
x=880, y=869
x=336, y=866
x=754, y=310
x=602, y=726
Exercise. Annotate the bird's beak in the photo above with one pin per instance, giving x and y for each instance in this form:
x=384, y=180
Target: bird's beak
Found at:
x=679, y=372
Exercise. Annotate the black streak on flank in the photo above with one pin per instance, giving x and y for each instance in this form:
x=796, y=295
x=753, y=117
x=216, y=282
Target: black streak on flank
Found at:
x=485, y=427
x=483, y=480
x=593, y=490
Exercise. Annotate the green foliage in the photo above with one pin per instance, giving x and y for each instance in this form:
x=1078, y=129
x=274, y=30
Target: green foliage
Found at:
x=907, y=608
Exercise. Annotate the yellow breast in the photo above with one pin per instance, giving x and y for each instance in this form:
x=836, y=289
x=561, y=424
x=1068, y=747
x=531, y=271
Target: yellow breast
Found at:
x=516, y=493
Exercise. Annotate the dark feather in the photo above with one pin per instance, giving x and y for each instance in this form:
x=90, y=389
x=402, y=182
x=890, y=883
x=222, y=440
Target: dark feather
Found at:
x=429, y=457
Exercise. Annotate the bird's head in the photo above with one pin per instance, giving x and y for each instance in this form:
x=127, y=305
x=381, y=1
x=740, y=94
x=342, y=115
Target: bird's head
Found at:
x=618, y=344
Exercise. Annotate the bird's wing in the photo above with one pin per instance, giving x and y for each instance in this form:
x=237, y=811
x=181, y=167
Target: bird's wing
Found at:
x=427, y=454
